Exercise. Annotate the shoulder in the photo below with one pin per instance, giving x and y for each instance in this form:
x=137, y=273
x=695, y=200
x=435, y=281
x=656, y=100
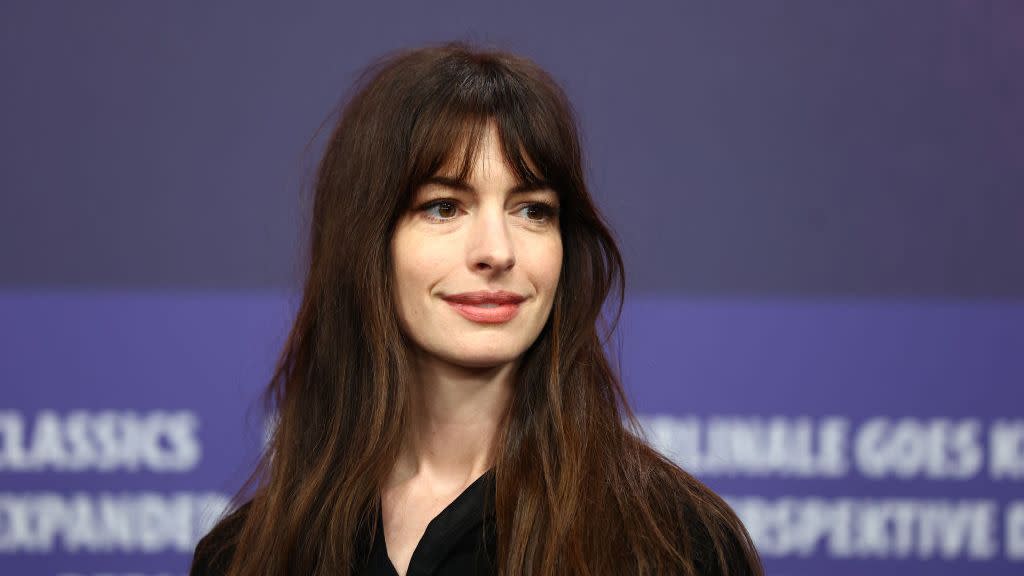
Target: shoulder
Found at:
x=709, y=532
x=215, y=550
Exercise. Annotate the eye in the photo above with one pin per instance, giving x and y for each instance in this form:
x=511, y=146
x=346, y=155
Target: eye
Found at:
x=440, y=210
x=539, y=212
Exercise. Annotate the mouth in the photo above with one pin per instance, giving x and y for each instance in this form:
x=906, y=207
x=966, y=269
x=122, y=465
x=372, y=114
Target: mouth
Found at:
x=486, y=307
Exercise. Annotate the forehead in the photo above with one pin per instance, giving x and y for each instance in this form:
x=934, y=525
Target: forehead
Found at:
x=480, y=155
x=467, y=169
x=484, y=159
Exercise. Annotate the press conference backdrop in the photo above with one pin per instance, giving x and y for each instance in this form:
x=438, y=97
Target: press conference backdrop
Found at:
x=820, y=206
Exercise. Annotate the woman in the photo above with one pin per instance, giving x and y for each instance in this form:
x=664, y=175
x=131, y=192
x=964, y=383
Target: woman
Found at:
x=444, y=402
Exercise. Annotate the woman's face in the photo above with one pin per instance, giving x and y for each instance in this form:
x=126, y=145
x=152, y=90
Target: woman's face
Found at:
x=476, y=265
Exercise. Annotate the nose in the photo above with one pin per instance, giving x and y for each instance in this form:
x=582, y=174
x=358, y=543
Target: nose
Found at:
x=490, y=243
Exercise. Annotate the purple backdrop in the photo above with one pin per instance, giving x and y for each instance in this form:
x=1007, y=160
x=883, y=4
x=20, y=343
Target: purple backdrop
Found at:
x=820, y=205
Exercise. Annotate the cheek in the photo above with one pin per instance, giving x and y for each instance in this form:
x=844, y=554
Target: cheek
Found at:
x=555, y=265
x=419, y=263
x=546, y=264
x=403, y=262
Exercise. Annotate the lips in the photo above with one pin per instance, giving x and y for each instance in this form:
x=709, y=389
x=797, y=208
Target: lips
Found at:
x=485, y=297
x=486, y=307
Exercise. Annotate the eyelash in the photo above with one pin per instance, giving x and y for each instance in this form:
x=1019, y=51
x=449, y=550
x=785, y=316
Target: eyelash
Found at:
x=547, y=210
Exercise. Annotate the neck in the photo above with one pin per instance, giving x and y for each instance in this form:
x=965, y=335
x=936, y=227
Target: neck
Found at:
x=455, y=415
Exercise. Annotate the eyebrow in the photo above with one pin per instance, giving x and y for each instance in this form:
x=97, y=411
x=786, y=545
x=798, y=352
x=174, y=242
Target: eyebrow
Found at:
x=456, y=184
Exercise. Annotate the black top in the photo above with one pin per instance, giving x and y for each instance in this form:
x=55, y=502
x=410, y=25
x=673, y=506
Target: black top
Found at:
x=458, y=541
x=461, y=540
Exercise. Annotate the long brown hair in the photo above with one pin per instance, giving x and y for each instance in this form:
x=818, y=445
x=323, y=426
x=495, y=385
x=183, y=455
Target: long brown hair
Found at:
x=578, y=491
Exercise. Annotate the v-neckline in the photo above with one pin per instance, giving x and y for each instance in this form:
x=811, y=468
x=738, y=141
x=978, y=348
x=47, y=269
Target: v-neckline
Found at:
x=460, y=515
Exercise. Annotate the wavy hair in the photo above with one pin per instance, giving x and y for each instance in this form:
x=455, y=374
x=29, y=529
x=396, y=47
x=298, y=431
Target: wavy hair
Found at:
x=577, y=489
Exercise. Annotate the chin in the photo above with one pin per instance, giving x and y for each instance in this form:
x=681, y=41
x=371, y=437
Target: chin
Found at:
x=484, y=357
x=482, y=360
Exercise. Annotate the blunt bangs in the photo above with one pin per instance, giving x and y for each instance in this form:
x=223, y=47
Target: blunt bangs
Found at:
x=458, y=99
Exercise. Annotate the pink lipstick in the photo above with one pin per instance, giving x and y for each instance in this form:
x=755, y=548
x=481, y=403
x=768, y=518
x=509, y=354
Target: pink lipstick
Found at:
x=486, y=307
